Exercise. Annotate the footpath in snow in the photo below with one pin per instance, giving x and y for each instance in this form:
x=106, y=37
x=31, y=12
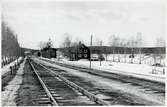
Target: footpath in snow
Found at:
x=6, y=68
x=136, y=70
x=9, y=93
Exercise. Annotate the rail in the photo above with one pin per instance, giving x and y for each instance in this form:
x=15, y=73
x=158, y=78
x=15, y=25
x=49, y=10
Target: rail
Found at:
x=80, y=89
x=53, y=101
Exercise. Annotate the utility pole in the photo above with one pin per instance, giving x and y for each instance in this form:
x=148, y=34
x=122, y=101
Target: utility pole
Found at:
x=100, y=51
x=90, y=50
x=17, y=48
x=139, y=39
x=20, y=50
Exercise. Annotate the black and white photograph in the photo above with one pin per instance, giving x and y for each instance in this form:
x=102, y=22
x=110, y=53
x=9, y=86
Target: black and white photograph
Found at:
x=83, y=52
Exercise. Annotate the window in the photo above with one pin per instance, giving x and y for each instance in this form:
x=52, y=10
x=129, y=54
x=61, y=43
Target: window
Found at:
x=79, y=55
x=85, y=55
x=82, y=46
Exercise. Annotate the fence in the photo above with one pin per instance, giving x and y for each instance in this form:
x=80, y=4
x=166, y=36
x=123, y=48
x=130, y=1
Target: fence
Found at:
x=7, y=60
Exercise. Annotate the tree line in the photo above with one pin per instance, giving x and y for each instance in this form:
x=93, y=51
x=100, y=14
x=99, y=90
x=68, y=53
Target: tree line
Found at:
x=117, y=45
x=10, y=46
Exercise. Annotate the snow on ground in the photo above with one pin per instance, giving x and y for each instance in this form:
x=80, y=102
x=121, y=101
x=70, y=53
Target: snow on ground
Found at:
x=137, y=70
x=9, y=93
x=6, y=68
x=126, y=88
x=145, y=59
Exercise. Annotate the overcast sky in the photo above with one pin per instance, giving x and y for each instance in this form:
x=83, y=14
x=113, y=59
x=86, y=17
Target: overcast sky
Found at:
x=37, y=21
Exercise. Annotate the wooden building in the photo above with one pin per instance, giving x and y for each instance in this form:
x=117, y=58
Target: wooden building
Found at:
x=48, y=53
x=79, y=52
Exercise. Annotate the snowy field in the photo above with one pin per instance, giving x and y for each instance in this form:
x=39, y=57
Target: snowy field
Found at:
x=144, y=71
x=6, y=68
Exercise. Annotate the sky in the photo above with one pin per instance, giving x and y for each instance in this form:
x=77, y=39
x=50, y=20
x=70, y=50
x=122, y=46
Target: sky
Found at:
x=35, y=21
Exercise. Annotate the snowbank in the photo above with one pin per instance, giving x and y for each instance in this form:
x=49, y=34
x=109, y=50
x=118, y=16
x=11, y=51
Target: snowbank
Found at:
x=137, y=70
x=9, y=93
x=6, y=68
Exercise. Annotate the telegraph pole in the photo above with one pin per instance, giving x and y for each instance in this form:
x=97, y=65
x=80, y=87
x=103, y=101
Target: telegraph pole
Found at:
x=100, y=51
x=90, y=50
x=20, y=50
x=17, y=49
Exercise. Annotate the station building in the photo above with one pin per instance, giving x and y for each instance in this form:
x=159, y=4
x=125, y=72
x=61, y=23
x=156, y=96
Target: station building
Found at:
x=80, y=51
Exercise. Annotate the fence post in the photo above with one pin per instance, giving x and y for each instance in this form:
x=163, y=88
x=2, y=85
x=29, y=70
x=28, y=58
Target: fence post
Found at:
x=152, y=71
x=2, y=63
x=163, y=71
x=15, y=66
x=11, y=70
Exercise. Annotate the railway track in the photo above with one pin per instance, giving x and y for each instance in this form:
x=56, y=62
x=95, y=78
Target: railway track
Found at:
x=147, y=85
x=108, y=95
x=60, y=91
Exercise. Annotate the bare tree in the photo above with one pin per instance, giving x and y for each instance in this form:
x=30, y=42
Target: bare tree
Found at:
x=131, y=45
x=139, y=44
x=67, y=43
x=49, y=44
x=10, y=45
x=42, y=45
x=112, y=43
x=124, y=44
x=118, y=44
x=106, y=51
x=97, y=42
x=160, y=42
x=76, y=42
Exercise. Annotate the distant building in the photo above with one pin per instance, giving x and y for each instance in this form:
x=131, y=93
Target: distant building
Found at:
x=48, y=53
x=26, y=53
x=80, y=52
